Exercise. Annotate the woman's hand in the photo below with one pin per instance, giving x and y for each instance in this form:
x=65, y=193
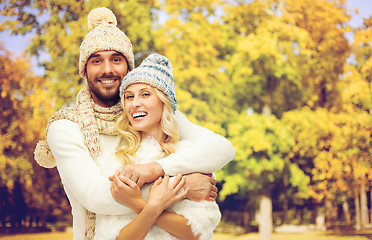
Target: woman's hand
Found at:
x=127, y=192
x=164, y=193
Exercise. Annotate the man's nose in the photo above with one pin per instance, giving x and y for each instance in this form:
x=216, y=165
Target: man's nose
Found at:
x=107, y=67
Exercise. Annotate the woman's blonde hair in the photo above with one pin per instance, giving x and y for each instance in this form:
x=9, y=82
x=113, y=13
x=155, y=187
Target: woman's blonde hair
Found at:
x=133, y=138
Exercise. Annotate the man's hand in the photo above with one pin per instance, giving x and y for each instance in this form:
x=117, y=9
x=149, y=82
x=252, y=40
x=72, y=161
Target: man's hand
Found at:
x=201, y=187
x=142, y=173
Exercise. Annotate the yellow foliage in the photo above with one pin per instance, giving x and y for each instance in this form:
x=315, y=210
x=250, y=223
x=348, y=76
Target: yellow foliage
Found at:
x=24, y=111
x=282, y=54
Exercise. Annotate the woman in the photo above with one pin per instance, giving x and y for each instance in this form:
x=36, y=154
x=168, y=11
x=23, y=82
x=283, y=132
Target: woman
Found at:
x=148, y=124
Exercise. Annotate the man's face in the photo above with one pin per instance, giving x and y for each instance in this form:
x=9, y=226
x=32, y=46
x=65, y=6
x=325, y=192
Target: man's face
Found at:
x=105, y=71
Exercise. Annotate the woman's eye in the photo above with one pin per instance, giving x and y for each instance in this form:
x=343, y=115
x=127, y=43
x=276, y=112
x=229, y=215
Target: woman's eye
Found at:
x=128, y=97
x=146, y=94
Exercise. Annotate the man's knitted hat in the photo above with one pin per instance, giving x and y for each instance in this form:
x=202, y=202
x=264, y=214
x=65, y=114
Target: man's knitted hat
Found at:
x=155, y=70
x=104, y=36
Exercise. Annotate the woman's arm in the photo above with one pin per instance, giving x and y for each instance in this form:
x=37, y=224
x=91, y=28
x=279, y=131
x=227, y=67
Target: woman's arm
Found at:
x=208, y=153
x=175, y=224
x=162, y=195
x=203, y=217
x=141, y=225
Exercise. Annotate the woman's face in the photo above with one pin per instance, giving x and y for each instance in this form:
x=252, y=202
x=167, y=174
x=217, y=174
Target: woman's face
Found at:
x=144, y=109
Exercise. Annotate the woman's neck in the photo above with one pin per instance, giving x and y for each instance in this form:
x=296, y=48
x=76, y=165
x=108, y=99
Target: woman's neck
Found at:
x=157, y=136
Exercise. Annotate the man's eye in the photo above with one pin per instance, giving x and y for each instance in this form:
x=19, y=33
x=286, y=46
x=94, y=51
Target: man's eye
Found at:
x=116, y=60
x=96, y=61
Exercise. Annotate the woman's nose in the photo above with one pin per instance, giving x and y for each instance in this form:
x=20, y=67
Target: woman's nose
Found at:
x=136, y=102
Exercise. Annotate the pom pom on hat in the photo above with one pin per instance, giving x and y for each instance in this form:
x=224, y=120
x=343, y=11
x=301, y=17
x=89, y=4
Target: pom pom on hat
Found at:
x=158, y=59
x=155, y=70
x=99, y=16
x=104, y=36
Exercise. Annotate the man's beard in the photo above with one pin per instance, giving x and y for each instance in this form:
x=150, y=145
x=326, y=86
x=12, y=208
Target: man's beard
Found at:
x=111, y=94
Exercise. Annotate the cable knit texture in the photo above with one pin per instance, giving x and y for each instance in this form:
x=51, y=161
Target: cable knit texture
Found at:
x=203, y=217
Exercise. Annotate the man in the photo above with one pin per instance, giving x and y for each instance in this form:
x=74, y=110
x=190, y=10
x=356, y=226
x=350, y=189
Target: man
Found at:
x=77, y=136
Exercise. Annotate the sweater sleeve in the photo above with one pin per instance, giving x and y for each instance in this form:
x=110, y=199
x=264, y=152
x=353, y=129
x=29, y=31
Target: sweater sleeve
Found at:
x=78, y=170
x=208, y=153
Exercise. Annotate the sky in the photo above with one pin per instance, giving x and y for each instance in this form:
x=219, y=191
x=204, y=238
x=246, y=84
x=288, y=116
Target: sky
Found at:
x=18, y=44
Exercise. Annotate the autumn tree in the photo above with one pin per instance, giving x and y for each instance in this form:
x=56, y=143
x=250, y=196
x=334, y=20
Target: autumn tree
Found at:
x=263, y=144
x=196, y=43
x=25, y=106
x=266, y=65
x=326, y=23
x=286, y=55
x=362, y=51
x=333, y=147
x=357, y=105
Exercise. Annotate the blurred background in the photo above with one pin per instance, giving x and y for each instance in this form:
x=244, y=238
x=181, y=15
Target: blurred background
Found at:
x=288, y=82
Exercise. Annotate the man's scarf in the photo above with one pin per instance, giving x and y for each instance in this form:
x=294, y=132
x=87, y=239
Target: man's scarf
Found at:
x=92, y=120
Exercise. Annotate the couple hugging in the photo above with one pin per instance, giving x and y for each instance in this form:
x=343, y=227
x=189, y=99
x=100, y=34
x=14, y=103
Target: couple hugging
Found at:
x=131, y=164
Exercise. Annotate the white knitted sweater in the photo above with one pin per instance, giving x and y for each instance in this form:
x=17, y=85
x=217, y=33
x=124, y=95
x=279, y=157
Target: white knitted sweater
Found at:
x=203, y=217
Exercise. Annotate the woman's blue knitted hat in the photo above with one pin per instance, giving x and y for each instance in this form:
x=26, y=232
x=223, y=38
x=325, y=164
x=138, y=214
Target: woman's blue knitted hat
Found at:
x=155, y=70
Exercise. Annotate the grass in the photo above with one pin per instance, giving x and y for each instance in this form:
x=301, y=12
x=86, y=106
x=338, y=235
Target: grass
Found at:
x=218, y=236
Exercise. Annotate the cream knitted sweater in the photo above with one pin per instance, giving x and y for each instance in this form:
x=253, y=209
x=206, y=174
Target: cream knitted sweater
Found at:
x=203, y=217
x=87, y=189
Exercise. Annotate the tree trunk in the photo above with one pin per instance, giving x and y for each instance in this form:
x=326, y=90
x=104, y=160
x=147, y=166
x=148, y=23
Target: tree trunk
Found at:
x=246, y=217
x=357, y=211
x=370, y=193
x=285, y=210
x=345, y=207
x=363, y=203
x=265, y=227
x=330, y=213
x=285, y=200
x=266, y=110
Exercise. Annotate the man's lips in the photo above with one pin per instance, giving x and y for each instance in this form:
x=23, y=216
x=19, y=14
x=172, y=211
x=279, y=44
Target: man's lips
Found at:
x=108, y=81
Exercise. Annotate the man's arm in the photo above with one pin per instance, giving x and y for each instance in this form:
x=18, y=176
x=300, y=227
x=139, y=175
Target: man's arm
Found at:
x=78, y=170
x=207, y=153
x=200, y=187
